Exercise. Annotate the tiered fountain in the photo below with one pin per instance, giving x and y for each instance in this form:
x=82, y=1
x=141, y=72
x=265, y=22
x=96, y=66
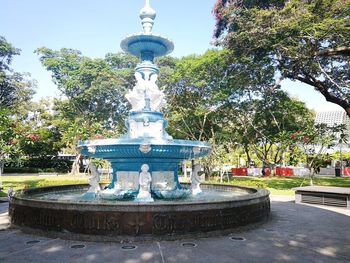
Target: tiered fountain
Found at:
x=145, y=196
x=146, y=145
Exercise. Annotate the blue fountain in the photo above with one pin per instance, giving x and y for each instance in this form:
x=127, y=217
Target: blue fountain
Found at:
x=146, y=160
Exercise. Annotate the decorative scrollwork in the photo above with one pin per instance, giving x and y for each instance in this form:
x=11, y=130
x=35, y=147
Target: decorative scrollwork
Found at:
x=92, y=149
x=145, y=148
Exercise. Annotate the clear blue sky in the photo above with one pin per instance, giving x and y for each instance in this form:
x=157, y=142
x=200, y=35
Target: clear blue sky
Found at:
x=97, y=27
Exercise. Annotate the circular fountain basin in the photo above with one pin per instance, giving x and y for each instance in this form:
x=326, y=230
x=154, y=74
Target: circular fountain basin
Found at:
x=61, y=210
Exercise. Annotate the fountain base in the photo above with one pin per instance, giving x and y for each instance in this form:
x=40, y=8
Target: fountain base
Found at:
x=159, y=219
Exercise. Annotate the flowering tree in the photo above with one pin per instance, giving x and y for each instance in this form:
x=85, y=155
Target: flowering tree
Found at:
x=8, y=137
x=39, y=142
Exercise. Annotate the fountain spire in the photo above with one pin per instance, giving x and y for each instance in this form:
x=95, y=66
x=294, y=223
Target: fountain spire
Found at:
x=147, y=15
x=146, y=95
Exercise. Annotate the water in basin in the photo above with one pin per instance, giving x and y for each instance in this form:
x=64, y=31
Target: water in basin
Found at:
x=208, y=195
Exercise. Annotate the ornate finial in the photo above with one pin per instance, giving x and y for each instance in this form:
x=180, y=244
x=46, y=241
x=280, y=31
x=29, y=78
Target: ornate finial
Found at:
x=147, y=15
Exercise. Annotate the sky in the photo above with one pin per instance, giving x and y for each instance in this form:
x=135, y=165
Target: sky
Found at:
x=97, y=28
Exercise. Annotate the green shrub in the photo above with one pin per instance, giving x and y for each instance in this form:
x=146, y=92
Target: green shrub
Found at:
x=37, y=165
x=21, y=170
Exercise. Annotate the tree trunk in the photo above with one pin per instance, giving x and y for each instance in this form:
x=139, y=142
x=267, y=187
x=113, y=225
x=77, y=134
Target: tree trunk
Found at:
x=323, y=89
x=1, y=170
x=207, y=171
x=312, y=173
x=247, y=151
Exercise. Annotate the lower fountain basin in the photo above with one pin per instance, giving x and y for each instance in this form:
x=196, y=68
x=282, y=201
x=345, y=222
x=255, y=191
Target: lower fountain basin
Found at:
x=60, y=210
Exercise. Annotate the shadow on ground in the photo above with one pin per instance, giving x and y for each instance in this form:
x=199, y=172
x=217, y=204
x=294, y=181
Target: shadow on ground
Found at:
x=294, y=233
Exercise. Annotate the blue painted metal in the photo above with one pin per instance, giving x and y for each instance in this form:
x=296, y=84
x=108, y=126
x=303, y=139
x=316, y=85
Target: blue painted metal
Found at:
x=125, y=155
x=89, y=196
x=162, y=154
x=147, y=46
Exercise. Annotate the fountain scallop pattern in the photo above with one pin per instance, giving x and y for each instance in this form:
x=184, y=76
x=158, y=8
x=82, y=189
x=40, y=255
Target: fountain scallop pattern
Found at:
x=146, y=160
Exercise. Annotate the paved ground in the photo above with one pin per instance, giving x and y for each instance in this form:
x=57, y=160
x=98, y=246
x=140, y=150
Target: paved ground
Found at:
x=295, y=233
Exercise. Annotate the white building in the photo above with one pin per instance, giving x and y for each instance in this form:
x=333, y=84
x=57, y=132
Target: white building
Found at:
x=332, y=118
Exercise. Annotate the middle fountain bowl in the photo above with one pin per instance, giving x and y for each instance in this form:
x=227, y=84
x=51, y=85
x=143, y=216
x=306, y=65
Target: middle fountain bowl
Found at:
x=146, y=143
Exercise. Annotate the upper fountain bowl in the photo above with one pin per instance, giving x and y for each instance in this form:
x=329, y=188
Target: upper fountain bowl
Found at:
x=147, y=43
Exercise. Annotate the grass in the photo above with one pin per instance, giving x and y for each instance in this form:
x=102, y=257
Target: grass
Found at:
x=284, y=185
x=277, y=185
x=20, y=182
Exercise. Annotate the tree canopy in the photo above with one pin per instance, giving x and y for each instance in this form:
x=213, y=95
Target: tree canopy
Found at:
x=231, y=104
x=94, y=88
x=230, y=97
x=307, y=41
x=15, y=88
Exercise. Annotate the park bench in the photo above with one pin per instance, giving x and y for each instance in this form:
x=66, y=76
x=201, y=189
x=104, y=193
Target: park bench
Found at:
x=323, y=195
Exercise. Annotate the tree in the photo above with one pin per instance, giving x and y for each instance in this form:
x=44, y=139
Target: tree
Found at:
x=215, y=98
x=307, y=41
x=40, y=142
x=93, y=90
x=266, y=123
x=9, y=138
x=201, y=93
x=7, y=52
x=315, y=140
x=199, y=90
x=192, y=107
x=15, y=88
x=92, y=87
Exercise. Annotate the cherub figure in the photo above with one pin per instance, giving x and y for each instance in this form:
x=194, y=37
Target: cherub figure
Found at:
x=146, y=87
x=94, y=179
x=145, y=180
x=136, y=96
x=156, y=96
x=196, y=180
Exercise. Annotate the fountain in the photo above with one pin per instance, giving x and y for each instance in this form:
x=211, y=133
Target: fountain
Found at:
x=144, y=197
x=146, y=143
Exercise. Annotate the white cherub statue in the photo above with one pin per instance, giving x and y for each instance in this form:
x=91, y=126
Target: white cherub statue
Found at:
x=94, y=179
x=196, y=180
x=145, y=180
x=146, y=87
x=156, y=96
x=136, y=96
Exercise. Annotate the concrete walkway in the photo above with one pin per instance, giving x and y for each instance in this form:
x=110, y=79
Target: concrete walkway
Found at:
x=295, y=233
